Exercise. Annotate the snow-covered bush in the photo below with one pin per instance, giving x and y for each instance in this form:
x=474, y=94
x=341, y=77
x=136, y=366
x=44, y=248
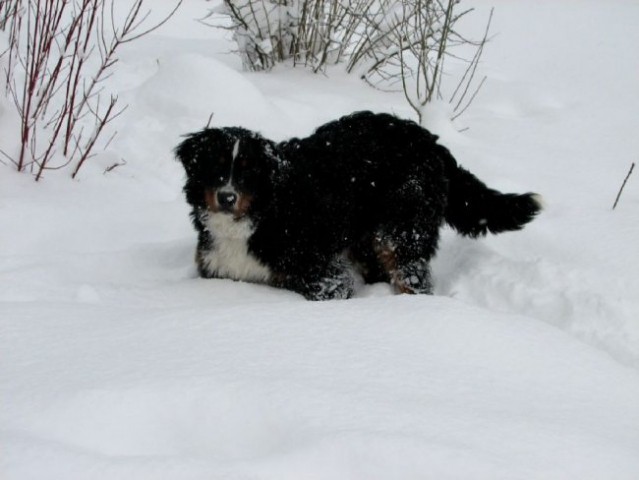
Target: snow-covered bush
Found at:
x=271, y=31
x=59, y=53
x=387, y=42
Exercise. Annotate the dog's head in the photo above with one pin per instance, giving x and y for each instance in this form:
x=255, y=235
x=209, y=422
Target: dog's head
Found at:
x=228, y=169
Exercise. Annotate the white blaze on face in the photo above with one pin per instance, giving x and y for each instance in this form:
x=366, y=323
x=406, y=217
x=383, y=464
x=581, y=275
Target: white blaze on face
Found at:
x=228, y=188
x=236, y=150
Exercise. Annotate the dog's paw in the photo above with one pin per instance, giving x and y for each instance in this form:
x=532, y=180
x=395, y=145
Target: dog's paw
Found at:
x=413, y=278
x=330, y=288
x=334, y=282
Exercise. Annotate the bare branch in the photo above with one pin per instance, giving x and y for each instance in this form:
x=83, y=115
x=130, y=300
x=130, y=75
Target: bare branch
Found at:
x=632, y=167
x=115, y=165
x=154, y=27
x=208, y=124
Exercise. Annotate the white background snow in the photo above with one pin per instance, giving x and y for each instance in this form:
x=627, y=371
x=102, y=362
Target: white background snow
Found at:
x=116, y=362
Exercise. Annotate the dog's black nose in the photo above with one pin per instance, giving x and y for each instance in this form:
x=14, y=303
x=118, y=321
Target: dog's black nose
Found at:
x=226, y=200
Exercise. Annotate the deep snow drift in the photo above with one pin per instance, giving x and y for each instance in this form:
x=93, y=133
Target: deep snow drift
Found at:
x=116, y=362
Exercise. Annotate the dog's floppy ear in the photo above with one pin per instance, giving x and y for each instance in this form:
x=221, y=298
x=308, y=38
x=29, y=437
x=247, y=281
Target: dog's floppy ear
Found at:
x=188, y=151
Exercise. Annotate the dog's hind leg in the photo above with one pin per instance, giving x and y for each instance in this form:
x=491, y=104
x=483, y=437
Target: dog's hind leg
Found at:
x=407, y=236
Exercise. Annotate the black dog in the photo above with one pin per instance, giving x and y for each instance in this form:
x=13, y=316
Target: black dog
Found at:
x=368, y=190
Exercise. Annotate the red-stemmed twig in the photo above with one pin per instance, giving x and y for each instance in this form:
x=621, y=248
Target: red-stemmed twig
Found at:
x=55, y=45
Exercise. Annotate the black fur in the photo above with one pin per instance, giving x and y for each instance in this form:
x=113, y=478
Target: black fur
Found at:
x=368, y=190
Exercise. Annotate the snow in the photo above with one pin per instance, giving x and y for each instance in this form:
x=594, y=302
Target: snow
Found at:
x=117, y=362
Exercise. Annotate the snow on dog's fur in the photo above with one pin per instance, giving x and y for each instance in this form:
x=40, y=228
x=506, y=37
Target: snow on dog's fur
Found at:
x=368, y=191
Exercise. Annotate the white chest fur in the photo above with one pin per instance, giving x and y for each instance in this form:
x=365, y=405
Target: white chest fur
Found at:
x=229, y=257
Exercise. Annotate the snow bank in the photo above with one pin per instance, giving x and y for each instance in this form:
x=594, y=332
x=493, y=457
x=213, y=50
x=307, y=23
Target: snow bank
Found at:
x=391, y=386
x=117, y=362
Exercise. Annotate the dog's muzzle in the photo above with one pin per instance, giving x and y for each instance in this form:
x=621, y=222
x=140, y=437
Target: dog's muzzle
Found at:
x=226, y=201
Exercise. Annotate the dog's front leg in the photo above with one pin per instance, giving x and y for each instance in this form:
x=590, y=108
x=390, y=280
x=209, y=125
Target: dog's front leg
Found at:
x=332, y=281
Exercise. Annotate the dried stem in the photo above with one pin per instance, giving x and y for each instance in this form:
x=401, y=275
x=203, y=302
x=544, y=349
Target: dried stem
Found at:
x=632, y=167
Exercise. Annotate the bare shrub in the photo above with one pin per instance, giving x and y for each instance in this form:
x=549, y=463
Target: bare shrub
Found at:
x=262, y=31
x=308, y=32
x=60, y=53
x=434, y=40
x=392, y=44
x=407, y=43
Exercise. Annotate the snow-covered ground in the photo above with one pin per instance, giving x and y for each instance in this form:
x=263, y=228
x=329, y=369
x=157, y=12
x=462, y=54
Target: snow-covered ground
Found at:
x=116, y=362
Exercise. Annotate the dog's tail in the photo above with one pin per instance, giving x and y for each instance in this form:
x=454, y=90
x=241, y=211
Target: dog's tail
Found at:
x=474, y=209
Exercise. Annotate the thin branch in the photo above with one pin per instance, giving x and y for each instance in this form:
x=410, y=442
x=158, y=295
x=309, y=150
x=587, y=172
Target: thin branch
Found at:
x=114, y=166
x=460, y=112
x=632, y=167
x=208, y=124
